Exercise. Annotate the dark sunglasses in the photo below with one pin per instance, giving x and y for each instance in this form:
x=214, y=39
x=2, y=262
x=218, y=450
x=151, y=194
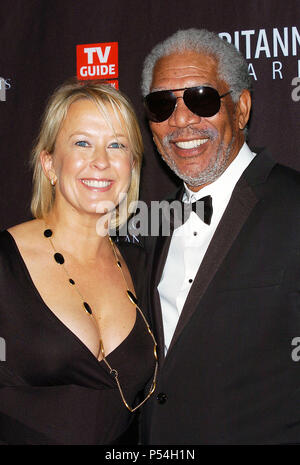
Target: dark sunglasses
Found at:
x=201, y=100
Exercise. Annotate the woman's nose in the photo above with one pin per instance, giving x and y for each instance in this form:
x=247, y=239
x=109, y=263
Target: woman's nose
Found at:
x=100, y=158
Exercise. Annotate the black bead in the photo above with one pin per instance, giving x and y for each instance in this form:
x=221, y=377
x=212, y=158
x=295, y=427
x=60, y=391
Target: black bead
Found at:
x=87, y=307
x=48, y=233
x=71, y=281
x=132, y=297
x=59, y=258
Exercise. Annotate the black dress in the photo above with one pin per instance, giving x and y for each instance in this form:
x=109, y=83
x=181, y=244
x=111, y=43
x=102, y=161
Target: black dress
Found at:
x=52, y=388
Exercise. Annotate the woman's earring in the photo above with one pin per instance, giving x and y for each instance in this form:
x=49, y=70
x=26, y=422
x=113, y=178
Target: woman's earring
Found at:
x=53, y=182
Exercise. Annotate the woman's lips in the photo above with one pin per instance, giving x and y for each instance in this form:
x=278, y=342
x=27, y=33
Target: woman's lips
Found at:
x=97, y=184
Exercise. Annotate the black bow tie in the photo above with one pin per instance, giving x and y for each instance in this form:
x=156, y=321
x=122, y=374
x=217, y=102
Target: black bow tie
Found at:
x=176, y=213
x=202, y=207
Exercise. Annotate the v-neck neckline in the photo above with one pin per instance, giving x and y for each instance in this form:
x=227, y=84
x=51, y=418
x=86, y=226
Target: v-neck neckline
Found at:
x=53, y=316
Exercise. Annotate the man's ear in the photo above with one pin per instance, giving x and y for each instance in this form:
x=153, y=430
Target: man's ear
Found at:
x=244, y=107
x=47, y=164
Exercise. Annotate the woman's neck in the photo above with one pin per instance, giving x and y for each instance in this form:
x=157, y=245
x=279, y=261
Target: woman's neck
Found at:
x=77, y=235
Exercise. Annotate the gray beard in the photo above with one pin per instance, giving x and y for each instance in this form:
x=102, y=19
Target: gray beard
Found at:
x=210, y=174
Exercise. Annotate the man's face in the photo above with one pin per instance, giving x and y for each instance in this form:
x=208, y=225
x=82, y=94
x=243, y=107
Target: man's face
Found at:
x=198, y=149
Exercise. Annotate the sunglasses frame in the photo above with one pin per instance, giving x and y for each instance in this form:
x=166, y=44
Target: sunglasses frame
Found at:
x=171, y=91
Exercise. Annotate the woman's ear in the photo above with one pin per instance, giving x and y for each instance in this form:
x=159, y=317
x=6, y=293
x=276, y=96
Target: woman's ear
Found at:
x=47, y=164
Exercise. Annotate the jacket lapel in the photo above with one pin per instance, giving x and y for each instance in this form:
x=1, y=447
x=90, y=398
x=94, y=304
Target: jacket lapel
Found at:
x=160, y=253
x=241, y=204
x=160, y=256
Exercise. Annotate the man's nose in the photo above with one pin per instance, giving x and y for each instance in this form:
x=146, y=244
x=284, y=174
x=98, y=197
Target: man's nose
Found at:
x=182, y=116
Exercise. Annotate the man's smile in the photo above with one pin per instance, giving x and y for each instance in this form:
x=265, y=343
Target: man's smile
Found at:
x=190, y=144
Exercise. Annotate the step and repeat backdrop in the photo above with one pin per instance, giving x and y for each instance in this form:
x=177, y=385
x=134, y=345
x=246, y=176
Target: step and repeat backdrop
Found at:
x=45, y=42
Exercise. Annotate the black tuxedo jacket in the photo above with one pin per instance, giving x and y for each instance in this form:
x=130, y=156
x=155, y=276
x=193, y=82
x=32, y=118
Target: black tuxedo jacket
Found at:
x=229, y=376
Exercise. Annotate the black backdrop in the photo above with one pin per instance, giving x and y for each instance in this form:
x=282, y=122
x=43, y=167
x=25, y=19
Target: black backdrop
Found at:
x=38, y=52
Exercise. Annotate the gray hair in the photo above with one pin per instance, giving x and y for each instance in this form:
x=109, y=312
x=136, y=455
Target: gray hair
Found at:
x=232, y=66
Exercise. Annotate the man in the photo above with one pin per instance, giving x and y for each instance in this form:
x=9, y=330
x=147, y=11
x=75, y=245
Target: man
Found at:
x=224, y=289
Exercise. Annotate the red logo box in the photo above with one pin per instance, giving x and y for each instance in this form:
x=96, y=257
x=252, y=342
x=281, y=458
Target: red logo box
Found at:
x=97, y=61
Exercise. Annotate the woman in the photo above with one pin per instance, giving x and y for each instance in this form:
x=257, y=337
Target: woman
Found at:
x=78, y=348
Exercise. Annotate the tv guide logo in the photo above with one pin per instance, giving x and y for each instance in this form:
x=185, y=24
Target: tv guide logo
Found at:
x=98, y=61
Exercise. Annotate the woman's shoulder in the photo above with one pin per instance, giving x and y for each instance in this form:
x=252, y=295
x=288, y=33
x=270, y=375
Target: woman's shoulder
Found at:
x=20, y=236
x=25, y=232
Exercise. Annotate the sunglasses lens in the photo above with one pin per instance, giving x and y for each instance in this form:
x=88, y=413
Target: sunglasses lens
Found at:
x=203, y=101
x=160, y=105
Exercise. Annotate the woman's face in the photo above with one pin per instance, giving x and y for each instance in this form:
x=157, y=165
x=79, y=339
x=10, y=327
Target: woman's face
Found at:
x=91, y=162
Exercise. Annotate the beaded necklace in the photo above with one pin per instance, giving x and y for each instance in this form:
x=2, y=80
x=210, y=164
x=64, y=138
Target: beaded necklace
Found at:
x=59, y=258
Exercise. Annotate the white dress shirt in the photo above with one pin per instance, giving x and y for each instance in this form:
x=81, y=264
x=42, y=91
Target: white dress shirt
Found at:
x=191, y=240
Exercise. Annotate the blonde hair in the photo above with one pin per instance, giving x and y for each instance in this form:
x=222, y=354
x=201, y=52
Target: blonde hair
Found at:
x=106, y=97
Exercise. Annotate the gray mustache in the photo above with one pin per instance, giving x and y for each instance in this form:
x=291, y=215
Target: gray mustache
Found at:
x=184, y=133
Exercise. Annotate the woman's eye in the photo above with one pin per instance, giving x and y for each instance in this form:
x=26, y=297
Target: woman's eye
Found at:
x=81, y=143
x=116, y=145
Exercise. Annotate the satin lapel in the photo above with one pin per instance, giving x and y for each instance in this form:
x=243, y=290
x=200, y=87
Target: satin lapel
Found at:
x=160, y=256
x=160, y=253
x=239, y=208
